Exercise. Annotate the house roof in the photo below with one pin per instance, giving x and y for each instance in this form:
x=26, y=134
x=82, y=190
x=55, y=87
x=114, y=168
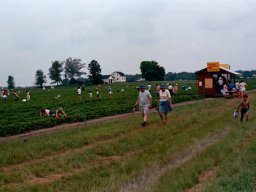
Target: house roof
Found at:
x=120, y=73
x=105, y=76
x=223, y=69
x=229, y=71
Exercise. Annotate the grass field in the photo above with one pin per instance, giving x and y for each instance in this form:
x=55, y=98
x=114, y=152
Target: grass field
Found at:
x=19, y=117
x=203, y=148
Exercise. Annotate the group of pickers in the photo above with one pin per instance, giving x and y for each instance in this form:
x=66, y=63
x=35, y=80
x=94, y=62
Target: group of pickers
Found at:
x=164, y=106
x=4, y=94
x=144, y=102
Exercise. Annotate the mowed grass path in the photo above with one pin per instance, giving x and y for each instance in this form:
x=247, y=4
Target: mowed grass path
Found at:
x=120, y=155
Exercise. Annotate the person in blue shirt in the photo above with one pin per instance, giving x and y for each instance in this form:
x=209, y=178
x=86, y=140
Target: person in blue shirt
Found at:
x=230, y=86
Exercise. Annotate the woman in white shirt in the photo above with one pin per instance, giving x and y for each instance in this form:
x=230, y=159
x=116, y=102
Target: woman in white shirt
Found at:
x=164, y=103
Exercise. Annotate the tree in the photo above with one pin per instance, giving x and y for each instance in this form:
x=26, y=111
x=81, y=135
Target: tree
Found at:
x=133, y=78
x=95, y=72
x=247, y=74
x=180, y=76
x=40, y=78
x=10, y=82
x=73, y=67
x=151, y=71
x=55, y=72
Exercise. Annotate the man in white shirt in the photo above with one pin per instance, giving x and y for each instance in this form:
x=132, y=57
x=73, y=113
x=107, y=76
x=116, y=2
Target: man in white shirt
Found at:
x=144, y=101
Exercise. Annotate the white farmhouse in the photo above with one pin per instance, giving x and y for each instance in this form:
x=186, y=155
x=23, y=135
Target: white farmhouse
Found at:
x=115, y=77
x=107, y=79
x=118, y=77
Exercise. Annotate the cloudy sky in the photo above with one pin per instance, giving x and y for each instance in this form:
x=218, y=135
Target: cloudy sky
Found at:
x=181, y=35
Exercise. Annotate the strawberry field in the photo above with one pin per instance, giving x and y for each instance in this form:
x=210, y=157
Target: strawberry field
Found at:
x=18, y=117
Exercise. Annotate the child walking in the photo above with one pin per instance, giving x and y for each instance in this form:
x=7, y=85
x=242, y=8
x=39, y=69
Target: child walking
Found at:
x=244, y=105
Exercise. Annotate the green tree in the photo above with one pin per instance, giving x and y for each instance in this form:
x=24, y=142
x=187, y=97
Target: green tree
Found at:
x=55, y=72
x=73, y=67
x=133, y=78
x=180, y=76
x=10, y=82
x=40, y=78
x=95, y=72
x=151, y=71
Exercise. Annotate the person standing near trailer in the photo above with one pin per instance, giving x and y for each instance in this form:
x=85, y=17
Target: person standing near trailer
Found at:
x=242, y=88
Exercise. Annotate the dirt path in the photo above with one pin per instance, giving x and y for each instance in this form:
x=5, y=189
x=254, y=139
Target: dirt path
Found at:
x=63, y=153
x=147, y=181
x=79, y=124
x=33, y=180
x=65, y=126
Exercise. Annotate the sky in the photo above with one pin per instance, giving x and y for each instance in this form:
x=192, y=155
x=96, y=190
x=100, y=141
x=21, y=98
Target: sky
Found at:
x=181, y=35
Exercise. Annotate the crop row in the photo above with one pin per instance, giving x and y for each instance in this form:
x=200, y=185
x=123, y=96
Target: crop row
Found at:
x=19, y=117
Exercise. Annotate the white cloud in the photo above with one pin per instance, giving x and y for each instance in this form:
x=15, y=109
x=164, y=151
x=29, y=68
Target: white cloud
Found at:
x=182, y=35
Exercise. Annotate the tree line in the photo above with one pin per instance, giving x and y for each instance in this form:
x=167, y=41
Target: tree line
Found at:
x=71, y=70
x=150, y=70
x=247, y=74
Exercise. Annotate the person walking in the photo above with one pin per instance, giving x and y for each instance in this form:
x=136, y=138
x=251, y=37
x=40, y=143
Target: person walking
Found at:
x=242, y=88
x=164, y=103
x=28, y=96
x=109, y=91
x=244, y=105
x=144, y=101
x=79, y=92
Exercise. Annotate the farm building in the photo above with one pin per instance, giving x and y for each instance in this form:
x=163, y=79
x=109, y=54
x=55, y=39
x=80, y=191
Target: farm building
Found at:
x=107, y=79
x=115, y=77
x=210, y=80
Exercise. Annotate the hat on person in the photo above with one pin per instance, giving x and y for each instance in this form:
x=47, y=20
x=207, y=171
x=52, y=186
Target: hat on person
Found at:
x=162, y=86
x=142, y=86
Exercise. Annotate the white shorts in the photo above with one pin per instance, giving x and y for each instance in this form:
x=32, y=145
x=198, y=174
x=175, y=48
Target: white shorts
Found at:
x=144, y=109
